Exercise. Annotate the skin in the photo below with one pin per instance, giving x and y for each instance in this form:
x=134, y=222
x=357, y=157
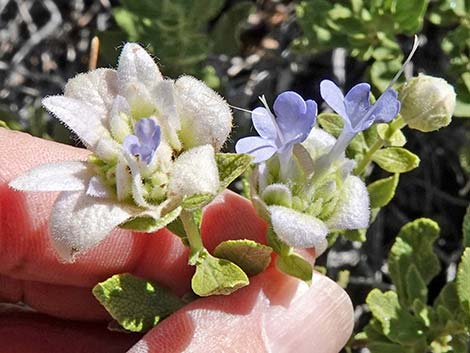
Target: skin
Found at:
x=275, y=313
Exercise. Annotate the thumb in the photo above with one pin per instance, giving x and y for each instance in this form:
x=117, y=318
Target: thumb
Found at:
x=276, y=313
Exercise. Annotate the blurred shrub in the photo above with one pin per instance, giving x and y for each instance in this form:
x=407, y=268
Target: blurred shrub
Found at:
x=181, y=33
x=454, y=16
x=367, y=29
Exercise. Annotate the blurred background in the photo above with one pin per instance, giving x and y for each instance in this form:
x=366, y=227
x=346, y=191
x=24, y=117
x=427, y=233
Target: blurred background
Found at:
x=244, y=49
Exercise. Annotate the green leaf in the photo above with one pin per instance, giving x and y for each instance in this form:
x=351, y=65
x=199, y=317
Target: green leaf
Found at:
x=463, y=282
x=331, y=123
x=391, y=138
x=415, y=286
x=466, y=228
x=355, y=234
x=150, y=224
x=396, y=159
x=217, y=276
x=137, y=304
x=343, y=278
x=409, y=14
x=397, y=323
x=277, y=244
x=413, y=247
x=382, y=191
x=250, y=256
x=226, y=32
x=195, y=202
x=231, y=165
x=296, y=266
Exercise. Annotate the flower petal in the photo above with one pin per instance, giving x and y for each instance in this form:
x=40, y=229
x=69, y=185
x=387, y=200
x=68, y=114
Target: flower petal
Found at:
x=295, y=116
x=96, y=188
x=61, y=176
x=333, y=97
x=352, y=210
x=80, y=117
x=79, y=222
x=318, y=143
x=260, y=149
x=119, y=120
x=387, y=107
x=137, y=66
x=297, y=229
x=194, y=172
x=263, y=121
x=321, y=247
x=206, y=117
x=123, y=180
x=96, y=88
x=357, y=103
x=168, y=117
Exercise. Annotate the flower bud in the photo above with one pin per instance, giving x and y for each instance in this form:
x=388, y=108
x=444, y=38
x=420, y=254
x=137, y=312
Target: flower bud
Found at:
x=427, y=103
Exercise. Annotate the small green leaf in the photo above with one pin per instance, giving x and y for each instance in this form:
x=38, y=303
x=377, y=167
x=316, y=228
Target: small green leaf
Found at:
x=250, y=256
x=137, y=304
x=355, y=234
x=277, y=244
x=415, y=286
x=231, y=165
x=466, y=228
x=331, y=123
x=149, y=224
x=413, y=246
x=382, y=191
x=463, y=282
x=343, y=278
x=397, y=323
x=409, y=14
x=177, y=228
x=296, y=266
x=391, y=138
x=194, y=202
x=396, y=159
x=217, y=276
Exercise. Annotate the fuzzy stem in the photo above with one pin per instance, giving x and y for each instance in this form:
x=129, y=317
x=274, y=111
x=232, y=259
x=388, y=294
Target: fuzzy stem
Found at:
x=394, y=126
x=192, y=231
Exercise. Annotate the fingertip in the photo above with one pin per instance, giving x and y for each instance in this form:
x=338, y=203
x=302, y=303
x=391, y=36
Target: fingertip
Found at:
x=231, y=216
x=276, y=313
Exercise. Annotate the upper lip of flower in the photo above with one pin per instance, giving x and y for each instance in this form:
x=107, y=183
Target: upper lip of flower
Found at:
x=293, y=120
x=355, y=108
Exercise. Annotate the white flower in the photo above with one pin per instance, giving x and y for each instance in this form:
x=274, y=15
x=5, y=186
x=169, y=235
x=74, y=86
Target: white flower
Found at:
x=304, y=210
x=153, y=143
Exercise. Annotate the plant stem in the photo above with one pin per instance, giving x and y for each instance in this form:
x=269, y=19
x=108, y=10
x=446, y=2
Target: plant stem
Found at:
x=394, y=126
x=192, y=231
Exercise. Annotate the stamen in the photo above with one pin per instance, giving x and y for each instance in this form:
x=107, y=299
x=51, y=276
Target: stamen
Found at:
x=279, y=132
x=408, y=59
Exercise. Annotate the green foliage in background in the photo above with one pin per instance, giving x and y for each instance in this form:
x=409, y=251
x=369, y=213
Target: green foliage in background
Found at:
x=367, y=29
x=405, y=320
x=182, y=33
x=454, y=17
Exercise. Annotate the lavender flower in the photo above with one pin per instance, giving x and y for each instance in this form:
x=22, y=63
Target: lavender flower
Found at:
x=295, y=119
x=355, y=108
x=357, y=112
x=146, y=140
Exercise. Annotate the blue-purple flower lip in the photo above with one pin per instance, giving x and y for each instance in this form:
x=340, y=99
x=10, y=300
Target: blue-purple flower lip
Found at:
x=293, y=120
x=145, y=141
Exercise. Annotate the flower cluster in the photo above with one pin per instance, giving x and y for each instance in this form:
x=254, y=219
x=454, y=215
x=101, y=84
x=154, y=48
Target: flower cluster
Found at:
x=153, y=142
x=303, y=184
